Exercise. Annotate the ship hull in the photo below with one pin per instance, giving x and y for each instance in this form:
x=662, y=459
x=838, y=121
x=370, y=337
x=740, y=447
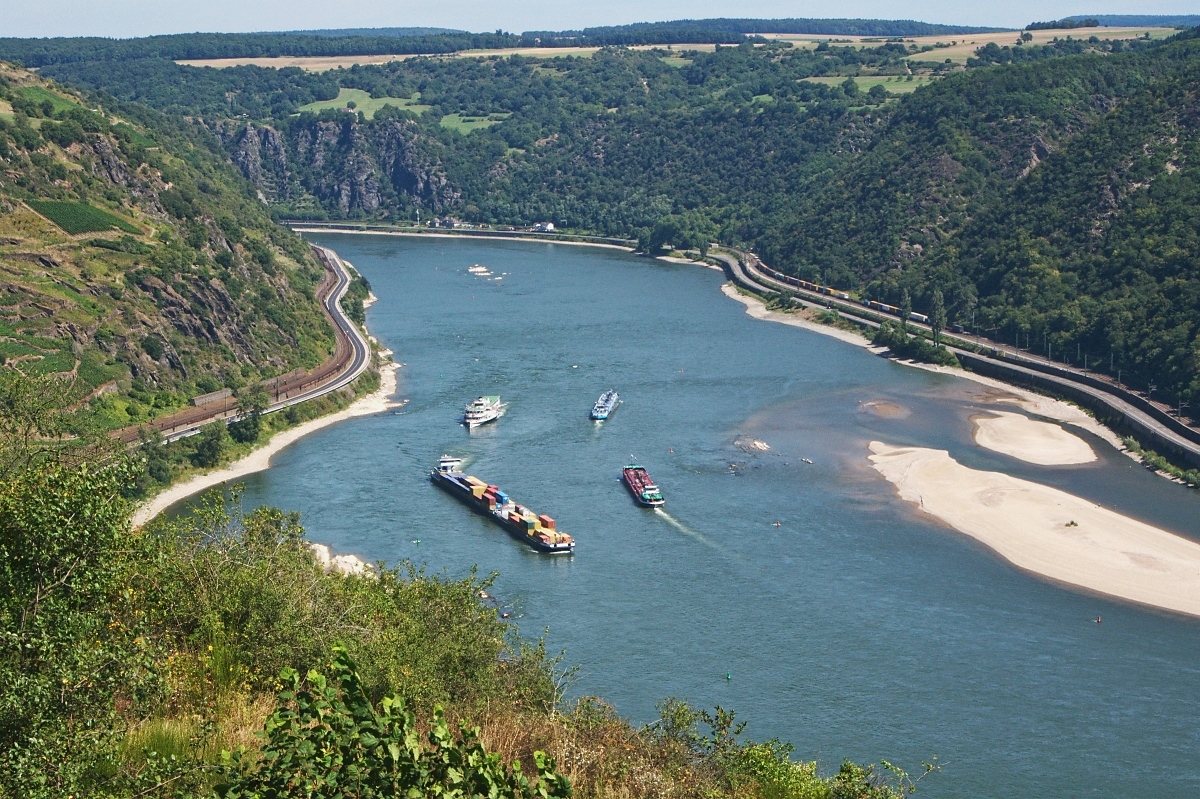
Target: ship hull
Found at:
x=636, y=493
x=463, y=494
x=602, y=411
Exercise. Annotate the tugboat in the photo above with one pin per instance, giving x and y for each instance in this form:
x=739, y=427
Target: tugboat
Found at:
x=644, y=491
x=607, y=403
x=482, y=411
x=488, y=500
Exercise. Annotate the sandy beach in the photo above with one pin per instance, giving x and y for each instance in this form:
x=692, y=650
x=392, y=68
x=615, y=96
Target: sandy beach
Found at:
x=317, y=229
x=758, y=309
x=1036, y=404
x=1047, y=531
x=377, y=402
x=1030, y=440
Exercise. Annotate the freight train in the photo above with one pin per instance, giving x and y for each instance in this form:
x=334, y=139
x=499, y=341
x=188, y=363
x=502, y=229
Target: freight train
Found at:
x=841, y=295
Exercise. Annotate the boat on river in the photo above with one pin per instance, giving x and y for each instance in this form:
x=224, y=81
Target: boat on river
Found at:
x=531, y=529
x=482, y=410
x=644, y=491
x=604, y=406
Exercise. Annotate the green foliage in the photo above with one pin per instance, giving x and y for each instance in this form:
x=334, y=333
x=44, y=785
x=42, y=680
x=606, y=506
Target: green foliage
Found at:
x=328, y=738
x=210, y=444
x=902, y=345
x=252, y=401
x=77, y=217
x=68, y=641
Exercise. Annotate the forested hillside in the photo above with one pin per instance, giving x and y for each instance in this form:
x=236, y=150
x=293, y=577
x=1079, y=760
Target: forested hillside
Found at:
x=136, y=259
x=824, y=159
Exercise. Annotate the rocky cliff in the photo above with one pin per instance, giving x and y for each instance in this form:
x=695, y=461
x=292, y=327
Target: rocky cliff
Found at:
x=349, y=167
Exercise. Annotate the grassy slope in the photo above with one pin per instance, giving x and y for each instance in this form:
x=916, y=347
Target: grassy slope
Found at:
x=365, y=103
x=207, y=292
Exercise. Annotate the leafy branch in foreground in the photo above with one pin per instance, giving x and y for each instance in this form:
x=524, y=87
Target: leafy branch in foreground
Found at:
x=326, y=738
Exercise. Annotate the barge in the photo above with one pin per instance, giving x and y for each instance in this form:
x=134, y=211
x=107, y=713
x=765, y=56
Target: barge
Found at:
x=521, y=523
x=644, y=491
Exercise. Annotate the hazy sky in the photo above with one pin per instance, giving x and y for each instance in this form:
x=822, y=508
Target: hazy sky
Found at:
x=142, y=17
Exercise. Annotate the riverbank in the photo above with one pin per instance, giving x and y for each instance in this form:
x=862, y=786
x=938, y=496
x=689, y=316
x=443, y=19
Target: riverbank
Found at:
x=415, y=234
x=757, y=309
x=1048, y=532
x=379, y=401
x=1029, y=401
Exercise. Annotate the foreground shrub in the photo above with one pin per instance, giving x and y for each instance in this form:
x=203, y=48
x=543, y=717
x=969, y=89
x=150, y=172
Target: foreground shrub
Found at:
x=326, y=738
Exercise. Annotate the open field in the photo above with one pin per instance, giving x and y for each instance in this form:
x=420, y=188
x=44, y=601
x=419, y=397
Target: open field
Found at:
x=959, y=49
x=76, y=217
x=325, y=63
x=956, y=49
x=307, y=63
x=6, y=112
x=466, y=124
x=367, y=104
x=896, y=84
x=39, y=95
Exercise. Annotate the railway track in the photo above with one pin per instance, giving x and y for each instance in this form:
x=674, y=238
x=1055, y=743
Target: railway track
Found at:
x=351, y=357
x=1159, y=429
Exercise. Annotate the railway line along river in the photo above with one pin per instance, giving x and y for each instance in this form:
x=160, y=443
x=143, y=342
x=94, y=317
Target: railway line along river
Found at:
x=848, y=621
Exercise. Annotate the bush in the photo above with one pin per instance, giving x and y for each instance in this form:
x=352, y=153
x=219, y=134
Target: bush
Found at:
x=210, y=444
x=903, y=345
x=327, y=738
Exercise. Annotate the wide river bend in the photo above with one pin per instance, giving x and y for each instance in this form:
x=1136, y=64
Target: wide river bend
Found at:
x=856, y=628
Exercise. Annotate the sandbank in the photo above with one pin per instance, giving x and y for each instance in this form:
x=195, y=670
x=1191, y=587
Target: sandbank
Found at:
x=1036, y=404
x=1047, y=531
x=489, y=237
x=1030, y=440
x=377, y=402
x=758, y=309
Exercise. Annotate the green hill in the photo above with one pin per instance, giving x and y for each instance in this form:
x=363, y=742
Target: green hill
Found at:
x=136, y=259
x=824, y=160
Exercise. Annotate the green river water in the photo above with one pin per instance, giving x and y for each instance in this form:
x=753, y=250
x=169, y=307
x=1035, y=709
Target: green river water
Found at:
x=857, y=628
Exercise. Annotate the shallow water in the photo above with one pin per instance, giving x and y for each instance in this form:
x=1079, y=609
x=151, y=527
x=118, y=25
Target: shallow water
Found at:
x=857, y=628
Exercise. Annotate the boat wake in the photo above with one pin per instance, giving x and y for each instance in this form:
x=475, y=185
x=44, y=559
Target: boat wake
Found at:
x=683, y=528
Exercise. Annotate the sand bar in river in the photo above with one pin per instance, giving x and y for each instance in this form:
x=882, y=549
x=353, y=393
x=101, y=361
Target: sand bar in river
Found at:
x=1030, y=440
x=1047, y=531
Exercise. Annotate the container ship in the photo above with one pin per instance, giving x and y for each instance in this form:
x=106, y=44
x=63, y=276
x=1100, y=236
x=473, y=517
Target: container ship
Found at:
x=482, y=411
x=607, y=403
x=642, y=487
x=488, y=500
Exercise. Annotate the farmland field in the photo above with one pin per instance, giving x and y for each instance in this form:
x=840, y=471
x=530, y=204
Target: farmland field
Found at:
x=324, y=63
x=39, y=95
x=466, y=124
x=76, y=218
x=959, y=48
x=364, y=102
x=896, y=84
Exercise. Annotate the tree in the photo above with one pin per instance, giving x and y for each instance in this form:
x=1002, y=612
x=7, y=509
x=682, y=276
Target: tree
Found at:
x=327, y=738
x=850, y=87
x=252, y=401
x=68, y=643
x=210, y=444
x=877, y=93
x=937, y=319
x=905, y=311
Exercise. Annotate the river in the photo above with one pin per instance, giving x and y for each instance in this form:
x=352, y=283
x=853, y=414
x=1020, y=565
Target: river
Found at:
x=856, y=628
